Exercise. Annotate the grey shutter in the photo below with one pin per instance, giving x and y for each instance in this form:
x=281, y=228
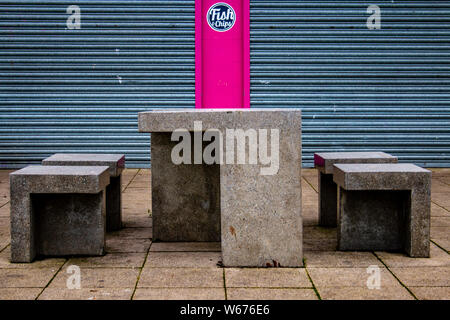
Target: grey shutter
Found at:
x=359, y=89
x=80, y=90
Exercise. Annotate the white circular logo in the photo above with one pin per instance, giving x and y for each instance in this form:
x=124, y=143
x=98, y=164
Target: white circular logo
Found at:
x=221, y=17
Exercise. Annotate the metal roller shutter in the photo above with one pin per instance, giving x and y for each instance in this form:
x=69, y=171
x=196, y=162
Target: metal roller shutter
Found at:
x=80, y=90
x=359, y=89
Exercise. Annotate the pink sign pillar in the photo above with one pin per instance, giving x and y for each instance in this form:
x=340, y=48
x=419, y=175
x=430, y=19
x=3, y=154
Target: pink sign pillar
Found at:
x=222, y=54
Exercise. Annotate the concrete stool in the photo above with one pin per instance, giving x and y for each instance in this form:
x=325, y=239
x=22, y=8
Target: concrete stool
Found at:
x=57, y=211
x=324, y=162
x=116, y=163
x=384, y=207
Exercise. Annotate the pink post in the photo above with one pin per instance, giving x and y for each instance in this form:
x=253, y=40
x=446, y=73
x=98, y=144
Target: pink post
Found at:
x=222, y=54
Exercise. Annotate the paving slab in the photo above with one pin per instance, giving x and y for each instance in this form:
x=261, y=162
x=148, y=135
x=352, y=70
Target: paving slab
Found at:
x=440, y=232
x=440, y=222
x=423, y=276
x=127, y=245
x=131, y=233
x=4, y=243
x=5, y=262
x=431, y=293
x=186, y=246
x=439, y=186
x=179, y=294
x=87, y=294
x=361, y=293
x=348, y=277
x=181, y=278
x=26, y=278
x=168, y=283
x=99, y=278
x=4, y=229
x=183, y=259
x=110, y=260
x=443, y=243
x=442, y=200
x=319, y=244
x=5, y=210
x=315, y=232
x=4, y=197
x=267, y=278
x=337, y=259
x=270, y=294
x=438, y=258
x=137, y=221
x=19, y=293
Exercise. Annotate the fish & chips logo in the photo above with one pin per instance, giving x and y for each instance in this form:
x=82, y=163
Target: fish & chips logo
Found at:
x=221, y=17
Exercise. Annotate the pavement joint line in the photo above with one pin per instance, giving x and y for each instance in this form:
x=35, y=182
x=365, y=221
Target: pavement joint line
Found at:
x=278, y=288
x=224, y=284
x=50, y=281
x=395, y=276
x=210, y=268
x=440, y=206
x=272, y=287
x=4, y=204
x=304, y=178
x=437, y=245
x=443, y=181
x=5, y=247
x=140, y=272
x=181, y=251
x=316, y=291
x=131, y=180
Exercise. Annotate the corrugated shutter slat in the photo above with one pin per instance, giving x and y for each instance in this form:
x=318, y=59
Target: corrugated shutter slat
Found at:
x=80, y=90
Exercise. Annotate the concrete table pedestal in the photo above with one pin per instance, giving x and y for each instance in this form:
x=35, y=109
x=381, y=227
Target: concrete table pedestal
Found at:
x=116, y=164
x=252, y=205
x=57, y=211
x=324, y=162
x=384, y=207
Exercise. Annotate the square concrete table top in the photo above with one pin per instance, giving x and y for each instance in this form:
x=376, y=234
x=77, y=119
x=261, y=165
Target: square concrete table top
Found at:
x=324, y=161
x=115, y=162
x=170, y=120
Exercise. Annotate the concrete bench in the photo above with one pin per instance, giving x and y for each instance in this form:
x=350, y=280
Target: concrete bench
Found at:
x=57, y=211
x=116, y=163
x=324, y=162
x=384, y=207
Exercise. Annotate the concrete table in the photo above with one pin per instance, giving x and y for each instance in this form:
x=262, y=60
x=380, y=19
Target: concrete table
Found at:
x=57, y=211
x=384, y=207
x=116, y=164
x=255, y=213
x=324, y=162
